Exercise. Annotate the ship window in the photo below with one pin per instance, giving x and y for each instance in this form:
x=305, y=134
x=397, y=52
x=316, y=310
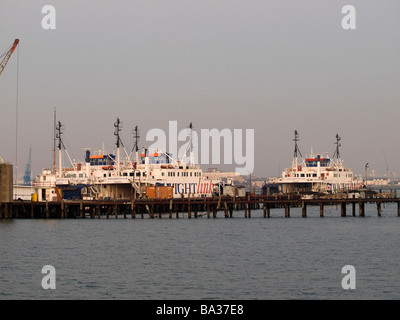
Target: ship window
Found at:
x=131, y=174
x=163, y=173
x=124, y=174
x=190, y=174
x=177, y=174
x=302, y=175
x=314, y=175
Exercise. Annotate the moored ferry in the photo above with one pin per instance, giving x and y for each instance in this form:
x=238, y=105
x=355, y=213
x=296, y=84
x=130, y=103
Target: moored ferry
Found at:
x=317, y=173
x=107, y=176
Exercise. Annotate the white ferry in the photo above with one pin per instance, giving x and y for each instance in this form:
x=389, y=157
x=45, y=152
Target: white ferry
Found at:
x=106, y=176
x=319, y=174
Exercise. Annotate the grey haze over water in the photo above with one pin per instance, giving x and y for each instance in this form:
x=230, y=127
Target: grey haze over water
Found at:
x=271, y=66
x=179, y=259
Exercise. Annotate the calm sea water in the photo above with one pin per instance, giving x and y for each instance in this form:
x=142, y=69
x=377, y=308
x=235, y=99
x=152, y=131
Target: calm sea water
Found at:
x=238, y=258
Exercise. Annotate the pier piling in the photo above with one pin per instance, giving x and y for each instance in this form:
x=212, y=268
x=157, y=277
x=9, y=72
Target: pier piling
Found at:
x=303, y=210
x=379, y=208
x=343, y=209
x=321, y=209
x=361, y=209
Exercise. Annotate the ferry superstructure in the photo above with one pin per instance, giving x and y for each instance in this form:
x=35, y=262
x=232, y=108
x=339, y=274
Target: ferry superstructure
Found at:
x=317, y=173
x=107, y=176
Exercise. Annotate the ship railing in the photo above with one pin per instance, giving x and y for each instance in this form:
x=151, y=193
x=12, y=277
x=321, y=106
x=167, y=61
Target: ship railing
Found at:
x=48, y=184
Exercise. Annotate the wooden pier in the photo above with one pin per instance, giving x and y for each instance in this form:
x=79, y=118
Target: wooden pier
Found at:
x=185, y=207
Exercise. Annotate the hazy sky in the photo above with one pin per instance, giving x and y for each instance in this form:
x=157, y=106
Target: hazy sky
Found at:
x=272, y=66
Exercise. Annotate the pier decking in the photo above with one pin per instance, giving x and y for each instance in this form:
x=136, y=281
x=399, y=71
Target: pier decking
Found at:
x=185, y=207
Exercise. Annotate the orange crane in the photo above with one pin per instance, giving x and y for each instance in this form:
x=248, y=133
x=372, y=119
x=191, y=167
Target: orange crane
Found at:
x=7, y=56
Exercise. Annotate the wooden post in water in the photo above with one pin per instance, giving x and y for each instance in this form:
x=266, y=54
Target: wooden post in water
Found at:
x=304, y=209
x=378, y=205
x=226, y=210
x=133, y=204
x=62, y=209
x=6, y=210
x=343, y=209
x=133, y=208
x=245, y=210
x=170, y=208
x=249, y=207
x=115, y=211
x=47, y=210
x=208, y=210
x=361, y=208
x=81, y=209
x=189, y=208
x=398, y=208
x=148, y=210
x=32, y=211
x=287, y=211
x=321, y=209
x=265, y=209
x=353, y=209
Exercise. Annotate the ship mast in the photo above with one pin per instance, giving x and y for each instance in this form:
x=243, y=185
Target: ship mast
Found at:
x=136, y=147
x=117, y=130
x=55, y=139
x=60, y=145
x=337, y=153
x=189, y=147
x=191, y=144
x=296, y=150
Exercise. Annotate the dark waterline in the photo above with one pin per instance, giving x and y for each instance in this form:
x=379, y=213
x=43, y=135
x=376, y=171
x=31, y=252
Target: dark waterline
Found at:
x=237, y=258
